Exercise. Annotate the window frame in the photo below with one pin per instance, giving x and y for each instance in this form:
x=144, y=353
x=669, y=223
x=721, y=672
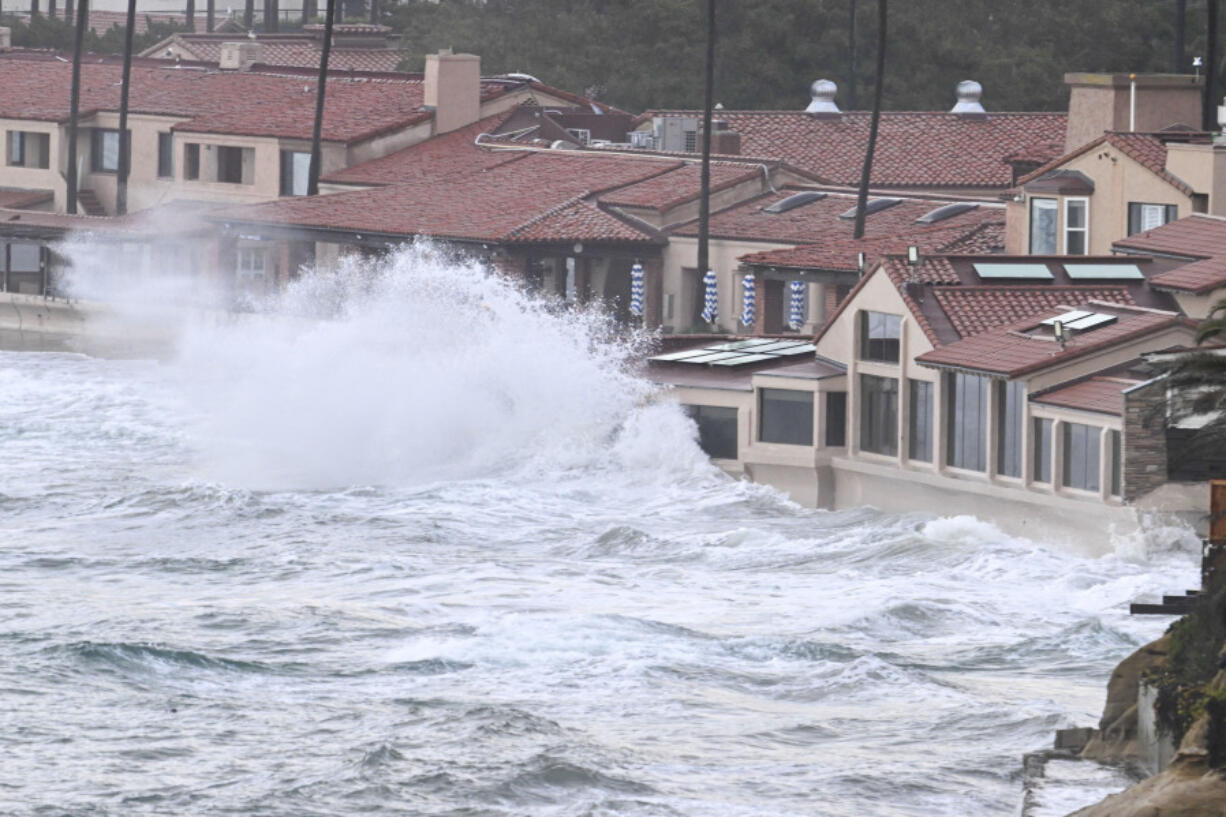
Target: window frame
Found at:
x=835, y=434
x=1090, y=464
x=1010, y=405
x=1030, y=211
x=920, y=420
x=98, y=150
x=191, y=161
x=964, y=450
x=166, y=155
x=1041, y=432
x=1136, y=222
x=874, y=439
x=696, y=412
x=776, y=436
x=287, y=172
x=1084, y=230
x=886, y=353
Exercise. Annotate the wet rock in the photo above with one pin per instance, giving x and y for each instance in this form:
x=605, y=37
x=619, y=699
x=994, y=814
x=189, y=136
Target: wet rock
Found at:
x=1116, y=739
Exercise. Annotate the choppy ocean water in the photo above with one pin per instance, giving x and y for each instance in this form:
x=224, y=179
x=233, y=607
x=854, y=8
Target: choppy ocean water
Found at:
x=440, y=556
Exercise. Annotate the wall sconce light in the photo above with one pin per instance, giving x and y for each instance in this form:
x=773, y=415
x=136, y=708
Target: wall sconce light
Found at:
x=913, y=257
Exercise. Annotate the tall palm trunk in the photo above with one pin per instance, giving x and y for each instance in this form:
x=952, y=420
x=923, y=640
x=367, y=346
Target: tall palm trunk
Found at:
x=74, y=104
x=862, y=199
x=317, y=133
x=1181, y=19
x=125, y=149
x=851, y=57
x=1211, y=69
x=704, y=193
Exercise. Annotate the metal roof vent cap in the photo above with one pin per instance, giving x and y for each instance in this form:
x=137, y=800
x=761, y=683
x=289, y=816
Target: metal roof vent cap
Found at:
x=969, y=93
x=823, y=92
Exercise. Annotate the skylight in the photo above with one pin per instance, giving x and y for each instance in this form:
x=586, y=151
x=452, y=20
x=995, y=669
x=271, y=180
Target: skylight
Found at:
x=874, y=206
x=1100, y=272
x=1081, y=320
x=739, y=353
x=948, y=211
x=793, y=201
x=1037, y=272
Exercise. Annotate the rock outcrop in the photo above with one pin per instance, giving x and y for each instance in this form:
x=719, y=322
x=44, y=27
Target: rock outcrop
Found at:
x=1116, y=739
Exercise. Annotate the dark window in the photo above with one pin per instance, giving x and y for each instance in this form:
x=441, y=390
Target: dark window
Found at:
x=1117, y=465
x=786, y=417
x=1142, y=216
x=968, y=421
x=104, y=150
x=1010, y=401
x=295, y=172
x=165, y=156
x=879, y=334
x=691, y=141
x=716, y=430
x=879, y=414
x=1043, y=226
x=29, y=149
x=1076, y=226
x=1042, y=449
x=1081, y=454
x=921, y=421
x=229, y=164
x=836, y=419
x=191, y=161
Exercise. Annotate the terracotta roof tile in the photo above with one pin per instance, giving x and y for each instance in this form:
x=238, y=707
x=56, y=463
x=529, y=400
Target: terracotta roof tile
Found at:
x=680, y=185
x=1101, y=394
x=1199, y=238
x=914, y=149
x=1147, y=149
x=977, y=309
x=576, y=220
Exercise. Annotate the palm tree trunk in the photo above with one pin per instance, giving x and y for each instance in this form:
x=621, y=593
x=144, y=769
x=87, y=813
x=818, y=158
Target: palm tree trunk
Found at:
x=851, y=57
x=125, y=149
x=272, y=16
x=210, y=14
x=189, y=15
x=862, y=199
x=249, y=14
x=317, y=133
x=1211, y=69
x=75, y=103
x=374, y=12
x=704, y=193
x=1181, y=20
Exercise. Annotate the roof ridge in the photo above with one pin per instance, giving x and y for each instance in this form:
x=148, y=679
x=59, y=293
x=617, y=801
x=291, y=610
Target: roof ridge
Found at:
x=537, y=219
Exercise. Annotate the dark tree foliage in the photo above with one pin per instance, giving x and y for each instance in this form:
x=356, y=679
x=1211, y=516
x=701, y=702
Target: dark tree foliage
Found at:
x=648, y=53
x=52, y=32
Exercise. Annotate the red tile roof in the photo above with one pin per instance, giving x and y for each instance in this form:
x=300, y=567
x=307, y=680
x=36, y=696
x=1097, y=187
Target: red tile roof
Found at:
x=977, y=309
x=1199, y=238
x=100, y=21
x=531, y=198
x=1010, y=352
x=292, y=50
x=1147, y=149
x=680, y=185
x=914, y=149
x=1101, y=394
x=255, y=103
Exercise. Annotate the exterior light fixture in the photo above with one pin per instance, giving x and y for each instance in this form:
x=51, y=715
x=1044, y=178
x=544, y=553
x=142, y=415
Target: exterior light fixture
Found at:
x=1197, y=62
x=578, y=247
x=1060, y=333
x=861, y=262
x=913, y=255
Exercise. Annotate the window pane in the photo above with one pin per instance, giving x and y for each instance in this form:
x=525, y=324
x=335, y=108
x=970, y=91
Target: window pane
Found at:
x=1075, y=213
x=110, y=150
x=165, y=148
x=15, y=148
x=302, y=171
x=786, y=417
x=921, y=421
x=1081, y=456
x=24, y=257
x=1043, y=226
x=836, y=419
x=879, y=336
x=1117, y=466
x=716, y=430
x=879, y=414
x=1042, y=450
x=1075, y=243
x=968, y=403
x=1009, y=441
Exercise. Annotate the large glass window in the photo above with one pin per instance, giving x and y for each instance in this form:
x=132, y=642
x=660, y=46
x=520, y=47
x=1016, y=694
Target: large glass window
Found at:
x=921, y=421
x=716, y=430
x=29, y=149
x=191, y=161
x=879, y=336
x=1041, y=436
x=295, y=172
x=836, y=419
x=786, y=416
x=233, y=164
x=104, y=150
x=968, y=421
x=1081, y=456
x=1142, y=216
x=165, y=156
x=1010, y=400
x=1043, y=227
x=1076, y=226
x=879, y=414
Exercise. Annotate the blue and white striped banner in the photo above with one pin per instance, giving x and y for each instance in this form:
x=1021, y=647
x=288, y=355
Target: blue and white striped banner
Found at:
x=796, y=307
x=749, y=299
x=710, y=303
x=636, y=289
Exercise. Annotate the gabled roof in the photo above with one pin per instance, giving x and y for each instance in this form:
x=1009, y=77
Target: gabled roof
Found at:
x=294, y=50
x=1199, y=239
x=1146, y=149
x=1016, y=349
x=914, y=149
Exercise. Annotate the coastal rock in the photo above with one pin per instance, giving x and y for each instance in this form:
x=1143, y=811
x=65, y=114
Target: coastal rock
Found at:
x=1117, y=730
x=1183, y=790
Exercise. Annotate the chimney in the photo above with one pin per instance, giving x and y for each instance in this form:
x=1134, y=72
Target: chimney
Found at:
x=968, y=94
x=823, y=105
x=239, y=56
x=723, y=141
x=1106, y=102
x=453, y=89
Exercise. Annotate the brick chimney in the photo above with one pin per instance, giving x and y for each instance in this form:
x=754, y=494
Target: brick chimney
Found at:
x=453, y=89
x=1103, y=102
x=723, y=141
x=239, y=56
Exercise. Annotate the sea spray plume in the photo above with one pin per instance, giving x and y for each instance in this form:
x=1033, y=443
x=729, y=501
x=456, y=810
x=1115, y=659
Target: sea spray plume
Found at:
x=427, y=368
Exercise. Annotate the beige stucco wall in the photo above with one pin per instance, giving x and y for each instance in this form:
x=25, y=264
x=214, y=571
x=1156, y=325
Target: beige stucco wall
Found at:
x=682, y=253
x=25, y=178
x=1198, y=306
x=1203, y=167
x=1101, y=102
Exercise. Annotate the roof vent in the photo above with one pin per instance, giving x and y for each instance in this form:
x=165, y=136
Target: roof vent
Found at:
x=823, y=92
x=948, y=211
x=793, y=201
x=238, y=56
x=874, y=206
x=968, y=93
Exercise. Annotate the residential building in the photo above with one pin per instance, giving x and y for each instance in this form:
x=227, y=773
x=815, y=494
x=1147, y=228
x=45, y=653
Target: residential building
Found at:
x=355, y=47
x=1194, y=250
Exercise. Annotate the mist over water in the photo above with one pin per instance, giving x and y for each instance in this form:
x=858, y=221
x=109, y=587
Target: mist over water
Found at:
x=409, y=541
